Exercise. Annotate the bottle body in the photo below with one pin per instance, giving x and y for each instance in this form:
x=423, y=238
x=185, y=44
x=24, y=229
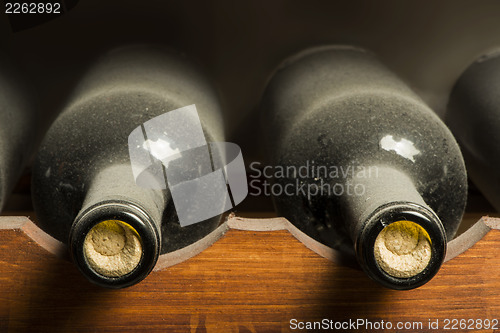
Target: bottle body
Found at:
x=83, y=173
x=18, y=132
x=369, y=144
x=472, y=115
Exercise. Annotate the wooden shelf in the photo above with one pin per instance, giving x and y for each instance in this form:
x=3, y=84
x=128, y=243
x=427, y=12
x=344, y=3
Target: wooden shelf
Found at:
x=250, y=275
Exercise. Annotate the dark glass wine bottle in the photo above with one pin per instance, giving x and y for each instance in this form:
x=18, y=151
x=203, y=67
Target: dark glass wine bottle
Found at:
x=473, y=116
x=18, y=118
x=84, y=190
x=362, y=164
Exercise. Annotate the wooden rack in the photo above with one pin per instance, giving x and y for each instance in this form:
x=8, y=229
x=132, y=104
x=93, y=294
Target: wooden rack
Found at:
x=249, y=275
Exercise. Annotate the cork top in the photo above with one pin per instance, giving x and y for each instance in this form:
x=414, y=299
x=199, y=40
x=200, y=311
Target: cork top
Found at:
x=113, y=248
x=403, y=249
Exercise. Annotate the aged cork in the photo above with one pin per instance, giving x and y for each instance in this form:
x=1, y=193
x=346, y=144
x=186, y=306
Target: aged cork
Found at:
x=112, y=248
x=403, y=249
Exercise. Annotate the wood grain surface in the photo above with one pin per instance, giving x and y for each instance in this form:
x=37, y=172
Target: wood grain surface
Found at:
x=247, y=281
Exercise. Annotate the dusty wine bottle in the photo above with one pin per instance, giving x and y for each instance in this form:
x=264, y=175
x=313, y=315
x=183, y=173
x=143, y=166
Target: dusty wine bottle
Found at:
x=84, y=190
x=473, y=117
x=17, y=126
x=362, y=164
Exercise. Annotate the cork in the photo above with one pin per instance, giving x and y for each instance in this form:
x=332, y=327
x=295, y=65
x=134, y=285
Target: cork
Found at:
x=112, y=248
x=403, y=249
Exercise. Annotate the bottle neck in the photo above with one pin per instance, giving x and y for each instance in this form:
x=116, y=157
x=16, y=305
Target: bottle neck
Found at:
x=399, y=241
x=115, y=239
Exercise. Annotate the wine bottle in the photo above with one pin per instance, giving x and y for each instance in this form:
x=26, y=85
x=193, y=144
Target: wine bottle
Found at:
x=362, y=165
x=473, y=117
x=85, y=192
x=18, y=132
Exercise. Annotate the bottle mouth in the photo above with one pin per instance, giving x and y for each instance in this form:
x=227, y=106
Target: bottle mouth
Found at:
x=402, y=245
x=114, y=244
